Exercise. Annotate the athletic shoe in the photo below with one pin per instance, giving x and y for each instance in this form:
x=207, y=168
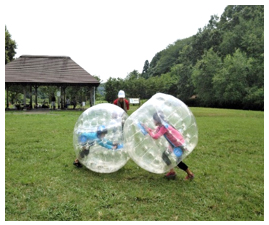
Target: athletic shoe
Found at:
x=189, y=177
x=170, y=175
x=77, y=164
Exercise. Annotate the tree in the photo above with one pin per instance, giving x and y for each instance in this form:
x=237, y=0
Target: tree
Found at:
x=164, y=60
x=112, y=88
x=202, y=76
x=133, y=75
x=14, y=93
x=145, y=69
x=169, y=83
x=230, y=83
x=254, y=98
x=242, y=28
x=206, y=38
x=140, y=88
x=10, y=46
x=154, y=64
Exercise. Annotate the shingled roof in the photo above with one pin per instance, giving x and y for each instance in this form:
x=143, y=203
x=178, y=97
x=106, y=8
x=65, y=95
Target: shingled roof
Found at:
x=47, y=70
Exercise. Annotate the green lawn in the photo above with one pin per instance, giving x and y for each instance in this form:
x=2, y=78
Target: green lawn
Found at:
x=42, y=184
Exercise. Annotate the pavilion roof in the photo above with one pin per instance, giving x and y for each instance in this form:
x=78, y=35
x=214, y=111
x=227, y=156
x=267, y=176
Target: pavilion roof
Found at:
x=47, y=70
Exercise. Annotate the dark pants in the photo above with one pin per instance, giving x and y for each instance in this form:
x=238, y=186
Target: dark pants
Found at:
x=84, y=152
x=182, y=166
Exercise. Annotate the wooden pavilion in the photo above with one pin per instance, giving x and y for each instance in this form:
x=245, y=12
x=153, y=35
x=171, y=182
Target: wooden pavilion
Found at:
x=33, y=71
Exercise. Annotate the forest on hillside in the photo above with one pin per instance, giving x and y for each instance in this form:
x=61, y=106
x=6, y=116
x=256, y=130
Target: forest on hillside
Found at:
x=222, y=65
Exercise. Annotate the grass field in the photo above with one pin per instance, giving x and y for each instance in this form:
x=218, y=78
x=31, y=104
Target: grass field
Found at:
x=42, y=184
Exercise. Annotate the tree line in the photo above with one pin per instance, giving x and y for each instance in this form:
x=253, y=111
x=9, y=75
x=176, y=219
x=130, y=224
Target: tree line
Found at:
x=222, y=65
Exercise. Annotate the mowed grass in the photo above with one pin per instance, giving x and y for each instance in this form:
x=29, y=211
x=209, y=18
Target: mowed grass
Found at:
x=41, y=182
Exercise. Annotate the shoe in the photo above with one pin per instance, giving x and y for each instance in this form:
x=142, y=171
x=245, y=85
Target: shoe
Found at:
x=189, y=177
x=170, y=175
x=77, y=164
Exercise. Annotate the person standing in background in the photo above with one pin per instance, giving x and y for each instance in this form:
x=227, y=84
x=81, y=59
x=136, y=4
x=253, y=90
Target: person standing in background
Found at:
x=121, y=101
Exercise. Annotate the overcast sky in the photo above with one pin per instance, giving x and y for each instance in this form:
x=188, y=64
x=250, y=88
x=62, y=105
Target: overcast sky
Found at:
x=108, y=38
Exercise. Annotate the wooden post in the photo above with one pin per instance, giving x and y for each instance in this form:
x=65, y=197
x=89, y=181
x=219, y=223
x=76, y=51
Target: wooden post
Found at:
x=62, y=98
x=35, y=95
x=7, y=97
x=31, y=102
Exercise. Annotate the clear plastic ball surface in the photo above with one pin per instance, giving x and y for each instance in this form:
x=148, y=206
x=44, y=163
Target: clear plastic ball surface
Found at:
x=161, y=133
x=98, y=138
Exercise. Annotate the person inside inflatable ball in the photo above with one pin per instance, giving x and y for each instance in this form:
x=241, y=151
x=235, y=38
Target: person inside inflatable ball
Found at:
x=175, y=139
x=88, y=139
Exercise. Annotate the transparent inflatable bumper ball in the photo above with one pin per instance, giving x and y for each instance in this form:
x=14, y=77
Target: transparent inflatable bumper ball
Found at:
x=159, y=154
x=98, y=138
